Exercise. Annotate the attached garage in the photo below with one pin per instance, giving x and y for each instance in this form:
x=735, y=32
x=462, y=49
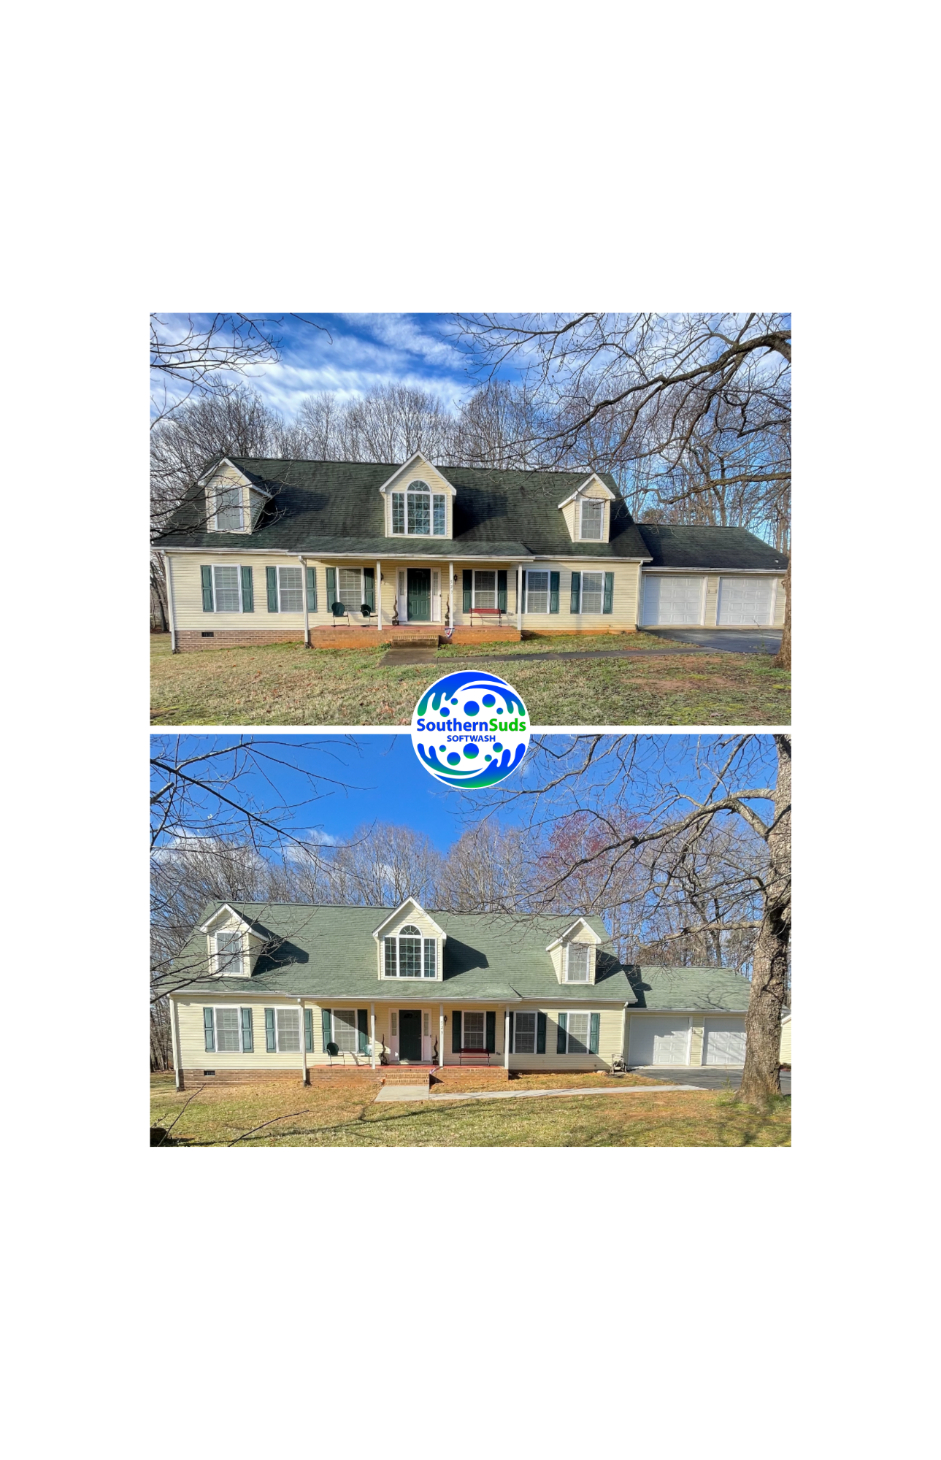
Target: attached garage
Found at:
x=659, y=1041
x=674, y=598
x=746, y=602
x=724, y=1042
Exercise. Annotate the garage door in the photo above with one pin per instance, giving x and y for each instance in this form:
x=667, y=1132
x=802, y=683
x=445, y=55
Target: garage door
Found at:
x=724, y=1042
x=659, y=1042
x=745, y=602
x=673, y=599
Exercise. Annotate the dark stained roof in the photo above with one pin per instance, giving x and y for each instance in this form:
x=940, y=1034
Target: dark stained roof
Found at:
x=325, y=507
x=708, y=547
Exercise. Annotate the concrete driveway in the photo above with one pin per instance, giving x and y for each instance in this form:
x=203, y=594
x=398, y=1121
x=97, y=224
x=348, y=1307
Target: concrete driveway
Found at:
x=730, y=641
x=709, y=1077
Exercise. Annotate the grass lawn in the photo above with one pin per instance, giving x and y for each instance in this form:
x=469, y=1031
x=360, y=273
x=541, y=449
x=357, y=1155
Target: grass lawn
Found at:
x=343, y=1114
x=286, y=684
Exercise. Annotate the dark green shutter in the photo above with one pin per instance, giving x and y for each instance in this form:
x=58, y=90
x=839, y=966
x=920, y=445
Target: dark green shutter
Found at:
x=331, y=588
x=325, y=1028
x=206, y=575
x=309, y=1030
x=468, y=588
x=311, y=590
x=512, y=1030
x=540, y=1033
x=248, y=591
x=492, y=1031
x=501, y=590
x=593, y=1036
x=608, y=593
x=362, y=1025
x=209, y=1030
x=575, y=600
x=270, y=1041
x=272, y=575
x=560, y=1036
x=456, y=1032
x=248, y=1034
x=553, y=592
x=369, y=587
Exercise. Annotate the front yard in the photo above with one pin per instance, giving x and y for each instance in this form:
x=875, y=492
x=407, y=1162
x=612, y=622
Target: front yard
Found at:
x=286, y=684
x=342, y=1113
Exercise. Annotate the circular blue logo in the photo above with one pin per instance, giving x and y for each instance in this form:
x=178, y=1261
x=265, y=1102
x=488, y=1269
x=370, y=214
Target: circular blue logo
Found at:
x=470, y=730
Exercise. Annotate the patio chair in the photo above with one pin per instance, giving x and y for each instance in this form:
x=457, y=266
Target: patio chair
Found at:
x=340, y=610
x=366, y=611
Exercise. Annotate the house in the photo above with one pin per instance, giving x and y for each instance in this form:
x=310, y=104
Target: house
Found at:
x=263, y=550
x=785, y=1054
x=284, y=988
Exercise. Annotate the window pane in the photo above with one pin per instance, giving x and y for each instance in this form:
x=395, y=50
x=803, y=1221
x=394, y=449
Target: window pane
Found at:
x=578, y=1033
x=229, y=509
x=537, y=592
x=485, y=590
x=226, y=582
x=592, y=520
x=291, y=589
x=440, y=517
x=350, y=587
x=524, y=1039
x=398, y=511
x=409, y=957
x=289, y=1028
x=592, y=592
x=390, y=968
x=345, y=1031
x=430, y=961
x=419, y=512
x=229, y=952
x=472, y=1036
x=577, y=963
x=227, y=1030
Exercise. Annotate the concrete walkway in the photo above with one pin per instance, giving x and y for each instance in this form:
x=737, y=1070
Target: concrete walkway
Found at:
x=727, y=641
x=419, y=1092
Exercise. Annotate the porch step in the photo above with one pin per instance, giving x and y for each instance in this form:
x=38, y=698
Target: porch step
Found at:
x=413, y=641
x=406, y=1074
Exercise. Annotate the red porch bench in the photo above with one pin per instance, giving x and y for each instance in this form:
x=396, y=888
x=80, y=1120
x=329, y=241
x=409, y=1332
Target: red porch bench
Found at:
x=474, y=1057
x=496, y=613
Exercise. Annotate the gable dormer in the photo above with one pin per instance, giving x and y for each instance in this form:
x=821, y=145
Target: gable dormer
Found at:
x=233, y=502
x=587, y=511
x=574, y=953
x=232, y=944
x=410, y=944
x=418, y=501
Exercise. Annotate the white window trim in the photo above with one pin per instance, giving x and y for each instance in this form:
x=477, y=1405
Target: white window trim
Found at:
x=217, y=493
x=216, y=1008
x=483, y=1015
x=431, y=494
x=288, y=1009
x=496, y=586
x=408, y=977
x=361, y=599
x=576, y=943
x=526, y=574
x=597, y=573
x=568, y=1032
x=228, y=933
x=293, y=568
x=581, y=505
x=215, y=593
x=333, y=1030
x=535, y=1013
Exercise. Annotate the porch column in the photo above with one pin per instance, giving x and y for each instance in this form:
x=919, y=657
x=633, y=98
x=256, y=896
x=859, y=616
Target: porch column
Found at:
x=372, y=1036
x=506, y=1039
x=175, y=1043
x=168, y=573
x=303, y=1043
x=451, y=594
x=304, y=596
x=440, y=1035
x=519, y=597
x=379, y=597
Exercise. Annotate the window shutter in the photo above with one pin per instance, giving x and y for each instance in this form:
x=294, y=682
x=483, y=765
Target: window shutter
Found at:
x=390, y=969
x=331, y=588
x=369, y=586
x=270, y=1042
x=309, y=1030
x=312, y=590
x=248, y=591
x=575, y=600
x=540, y=1033
x=362, y=1025
x=248, y=1035
x=456, y=1032
x=325, y=1027
x=209, y=1030
x=492, y=1030
x=608, y=593
x=553, y=592
x=501, y=590
x=468, y=587
x=206, y=575
x=593, y=1036
x=560, y=1036
x=272, y=576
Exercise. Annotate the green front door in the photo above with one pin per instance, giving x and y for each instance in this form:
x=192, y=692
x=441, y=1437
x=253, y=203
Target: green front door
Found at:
x=410, y=1034
x=419, y=595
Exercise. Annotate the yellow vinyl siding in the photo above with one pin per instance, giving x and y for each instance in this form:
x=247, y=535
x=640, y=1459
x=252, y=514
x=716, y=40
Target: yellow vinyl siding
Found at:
x=571, y=512
x=623, y=613
x=251, y=500
x=711, y=611
x=697, y=1040
x=779, y=605
x=609, y=1040
x=786, y=1042
x=421, y=471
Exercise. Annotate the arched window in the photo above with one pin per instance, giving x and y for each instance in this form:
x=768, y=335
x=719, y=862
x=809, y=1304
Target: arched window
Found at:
x=409, y=955
x=418, y=511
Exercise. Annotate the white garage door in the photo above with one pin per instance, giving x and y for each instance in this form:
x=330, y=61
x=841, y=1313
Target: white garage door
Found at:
x=724, y=1042
x=659, y=1042
x=746, y=601
x=673, y=599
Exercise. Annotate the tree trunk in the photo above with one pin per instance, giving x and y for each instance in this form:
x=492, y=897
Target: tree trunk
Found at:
x=761, y=1075
x=783, y=658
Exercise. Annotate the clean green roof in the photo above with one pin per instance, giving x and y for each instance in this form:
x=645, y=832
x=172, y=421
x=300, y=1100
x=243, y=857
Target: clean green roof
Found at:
x=328, y=952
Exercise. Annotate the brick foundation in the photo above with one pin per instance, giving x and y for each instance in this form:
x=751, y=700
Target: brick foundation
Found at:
x=317, y=1075
x=188, y=640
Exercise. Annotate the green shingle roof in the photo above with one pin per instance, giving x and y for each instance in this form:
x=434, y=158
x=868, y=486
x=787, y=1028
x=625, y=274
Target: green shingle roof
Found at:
x=328, y=952
x=708, y=547
x=324, y=507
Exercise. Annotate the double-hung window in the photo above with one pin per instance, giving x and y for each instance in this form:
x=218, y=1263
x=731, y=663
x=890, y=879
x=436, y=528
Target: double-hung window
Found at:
x=290, y=590
x=592, y=600
x=228, y=1030
x=350, y=590
x=229, y=511
x=592, y=520
x=345, y=1030
x=409, y=955
x=485, y=589
x=229, y=953
x=537, y=591
x=577, y=963
x=287, y=1023
x=524, y=1033
x=419, y=512
x=578, y=1033
x=226, y=589
x=473, y=1029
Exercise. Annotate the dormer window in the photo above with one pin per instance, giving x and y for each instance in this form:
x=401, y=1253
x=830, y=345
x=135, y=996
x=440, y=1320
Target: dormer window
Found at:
x=229, y=510
x=409, y=955
x=578, y=963
x=228, y=954
x=591, y=523
x=419, y=512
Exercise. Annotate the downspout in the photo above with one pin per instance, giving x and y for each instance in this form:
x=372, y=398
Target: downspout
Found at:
x=306, y=605
x=305, y=1078
x=168, y=574
x=506, y=1039
x=379, y=596
x=372, y=1036
x=175, y=1043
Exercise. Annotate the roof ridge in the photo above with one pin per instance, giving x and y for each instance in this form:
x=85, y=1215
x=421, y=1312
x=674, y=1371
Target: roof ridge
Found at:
x=446, y=467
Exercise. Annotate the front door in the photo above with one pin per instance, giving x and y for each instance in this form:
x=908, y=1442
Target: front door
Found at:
x=419, y=595
x=409, y=1034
